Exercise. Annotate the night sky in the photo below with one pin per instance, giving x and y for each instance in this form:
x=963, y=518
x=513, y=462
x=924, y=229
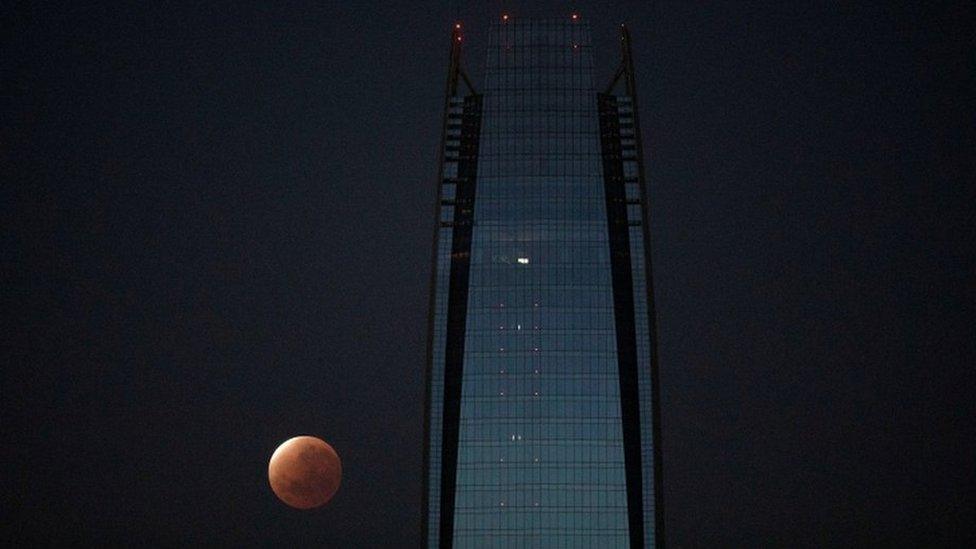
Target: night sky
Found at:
x=215, y=235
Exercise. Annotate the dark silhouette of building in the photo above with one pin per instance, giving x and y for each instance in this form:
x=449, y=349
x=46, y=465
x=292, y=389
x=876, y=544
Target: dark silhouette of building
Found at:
x=542, y=418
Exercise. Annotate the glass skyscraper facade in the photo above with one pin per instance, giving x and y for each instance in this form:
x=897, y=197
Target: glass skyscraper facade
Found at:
x=542, y=421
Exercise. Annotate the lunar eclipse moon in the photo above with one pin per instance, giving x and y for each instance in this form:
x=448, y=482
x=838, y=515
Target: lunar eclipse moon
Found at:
x=305, y=472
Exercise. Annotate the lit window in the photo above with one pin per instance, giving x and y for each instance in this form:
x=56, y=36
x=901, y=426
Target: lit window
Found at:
x=523, y=260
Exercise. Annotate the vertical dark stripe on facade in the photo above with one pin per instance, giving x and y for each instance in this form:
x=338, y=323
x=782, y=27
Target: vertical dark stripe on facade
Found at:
x=457, y=308
x=623, y=310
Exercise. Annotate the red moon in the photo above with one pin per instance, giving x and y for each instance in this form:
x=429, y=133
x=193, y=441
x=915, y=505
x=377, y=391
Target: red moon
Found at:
x=305, y=472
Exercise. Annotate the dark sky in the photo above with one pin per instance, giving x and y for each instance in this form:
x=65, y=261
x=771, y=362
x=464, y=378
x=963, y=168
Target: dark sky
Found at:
x=216, y=226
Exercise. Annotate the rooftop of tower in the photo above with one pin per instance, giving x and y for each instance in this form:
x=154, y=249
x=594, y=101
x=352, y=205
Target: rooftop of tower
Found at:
x=507, y=18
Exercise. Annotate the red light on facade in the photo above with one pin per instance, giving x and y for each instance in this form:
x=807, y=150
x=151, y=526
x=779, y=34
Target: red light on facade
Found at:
x=575, y=16
x=457, y=25
x=504, y=17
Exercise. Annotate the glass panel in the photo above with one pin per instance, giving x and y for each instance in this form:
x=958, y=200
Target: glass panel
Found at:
x=540, y=457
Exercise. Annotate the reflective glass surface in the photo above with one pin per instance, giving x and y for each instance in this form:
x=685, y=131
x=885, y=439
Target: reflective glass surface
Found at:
x=540, y=458
x=540, y=451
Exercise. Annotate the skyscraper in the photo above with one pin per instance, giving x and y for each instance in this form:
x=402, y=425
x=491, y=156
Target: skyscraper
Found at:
x=541, y=418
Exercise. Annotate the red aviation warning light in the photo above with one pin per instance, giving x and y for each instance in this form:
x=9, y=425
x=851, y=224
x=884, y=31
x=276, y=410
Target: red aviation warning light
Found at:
x=575, y=17
x=504, y=17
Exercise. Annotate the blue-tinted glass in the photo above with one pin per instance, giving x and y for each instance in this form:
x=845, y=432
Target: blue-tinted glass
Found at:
x=540, y=459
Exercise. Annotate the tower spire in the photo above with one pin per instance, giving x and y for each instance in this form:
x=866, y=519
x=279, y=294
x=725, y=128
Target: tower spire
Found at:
x=454, y=70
